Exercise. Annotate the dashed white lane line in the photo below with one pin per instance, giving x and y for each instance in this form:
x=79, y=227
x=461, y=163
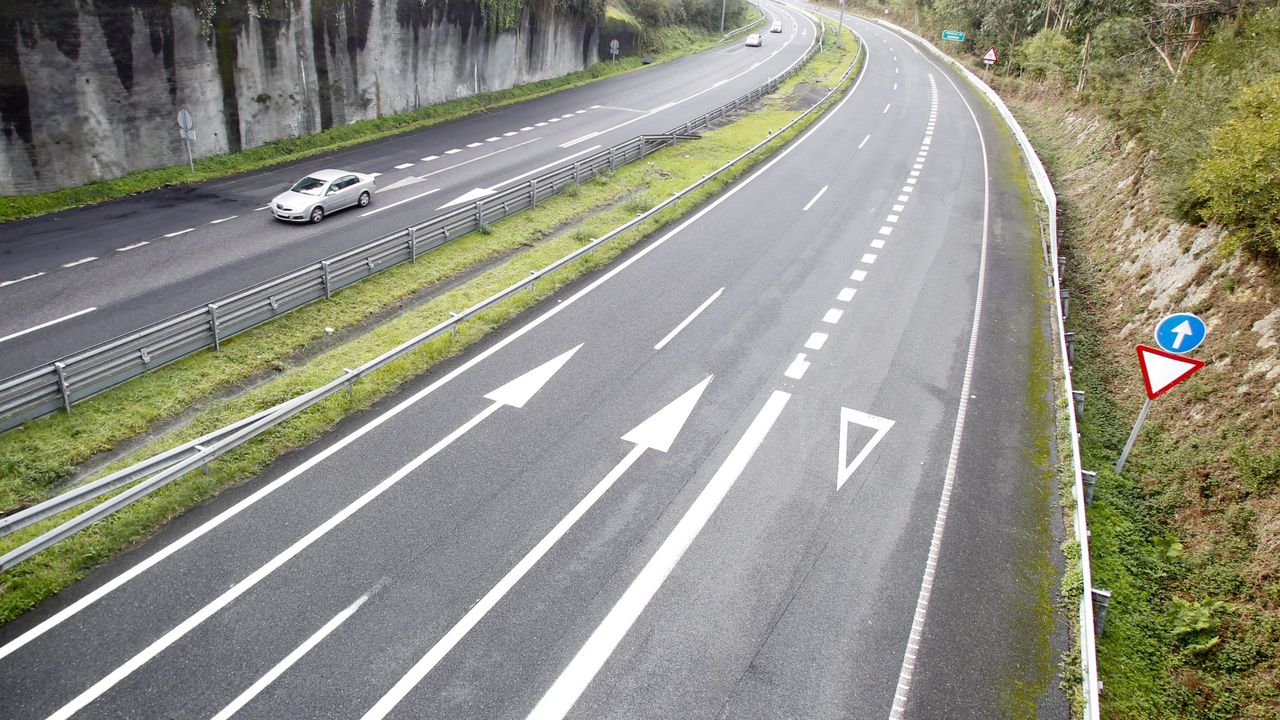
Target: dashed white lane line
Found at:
x=877, y=244
x=895, y=86
x=895, y=70
x=478, y=158
x=42, y=326
x=551, y=120
x=82, y=261
x=540, y=124
x=683, y=323
x=264, y=207
x=846, y=294
x=495, y=138
x=402, y=166
x=917, y=166
x=526, y=128
x=429, y=158
x=176, y=234
x=816, y=341
x=24, y=278
x=566, y=116
x=815, y=199
x=858, y=275
x=899, y=208
x=832, y=316
x=911, y=181
x=219, y=221
x=578, y=112
x=886, y=230
x=380, y=208
x=796, y=369
x=868, y=258
x=903, y=198
x=454, y=151
x=864, y=142
x=474, y=144
x=134, y=246
x=891, y=218
x=509, y=134
x=886, y=108
x=915, y=174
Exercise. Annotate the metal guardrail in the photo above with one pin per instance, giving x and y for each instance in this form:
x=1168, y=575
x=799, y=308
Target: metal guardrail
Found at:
x=60, y=384
x=158, y=471
x=1083, y=479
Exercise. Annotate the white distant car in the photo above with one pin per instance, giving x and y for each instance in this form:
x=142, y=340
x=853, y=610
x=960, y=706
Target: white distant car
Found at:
x=753, y=40
x=321, y=193
x=777, y=26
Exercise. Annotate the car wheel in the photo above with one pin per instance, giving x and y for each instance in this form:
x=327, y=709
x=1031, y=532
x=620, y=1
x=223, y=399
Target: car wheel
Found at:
x=317, y=214
x=364, y=199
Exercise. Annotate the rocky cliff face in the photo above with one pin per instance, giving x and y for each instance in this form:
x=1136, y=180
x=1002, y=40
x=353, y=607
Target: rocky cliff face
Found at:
x=90, y=89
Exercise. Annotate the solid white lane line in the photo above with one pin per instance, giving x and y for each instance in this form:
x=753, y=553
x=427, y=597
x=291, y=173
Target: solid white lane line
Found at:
x=180, y=232
x=864, y=142
x=42, y=326
x=683, y=323
x=566, y=690
x=402, y=166
x=815, y=199
x=797, y=368
x=179, y=631
x=24, y=278
x=289, y=660
x=846, y=294
x=886, y=108
x=380, y=208
x=552, y=164
x=832, y=316
x=478, y=158
x=815, y=341
x=82, y=261
x=134, y=246
x=213, y=523
x=858, y=275
x=877, y=244
x=219, y=221
x=577, y=140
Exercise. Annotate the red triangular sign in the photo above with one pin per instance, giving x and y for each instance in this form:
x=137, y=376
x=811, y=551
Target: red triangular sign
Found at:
x=1162, y=370
x=990, y=57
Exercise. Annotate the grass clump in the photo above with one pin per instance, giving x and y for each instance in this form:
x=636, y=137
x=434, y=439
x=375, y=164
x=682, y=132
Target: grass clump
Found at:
x=552, y=230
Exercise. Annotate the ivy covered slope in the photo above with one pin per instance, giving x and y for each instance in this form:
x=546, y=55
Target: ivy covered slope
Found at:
x=1159, y=121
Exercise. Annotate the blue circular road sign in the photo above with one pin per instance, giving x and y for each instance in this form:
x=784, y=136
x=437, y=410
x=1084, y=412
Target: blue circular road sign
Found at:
x=1180, y=333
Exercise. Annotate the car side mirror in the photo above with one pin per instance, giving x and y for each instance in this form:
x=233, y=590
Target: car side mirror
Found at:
x=331, y=191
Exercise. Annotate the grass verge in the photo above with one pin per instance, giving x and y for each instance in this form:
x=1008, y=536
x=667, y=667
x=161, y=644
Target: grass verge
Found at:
x=667, y=43
x=34, y=458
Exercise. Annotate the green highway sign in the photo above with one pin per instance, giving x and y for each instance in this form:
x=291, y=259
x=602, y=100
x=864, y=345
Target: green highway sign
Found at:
x=953, y=35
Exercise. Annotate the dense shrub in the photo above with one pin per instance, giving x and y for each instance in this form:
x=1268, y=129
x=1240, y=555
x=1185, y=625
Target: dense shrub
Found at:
x=1049, y=56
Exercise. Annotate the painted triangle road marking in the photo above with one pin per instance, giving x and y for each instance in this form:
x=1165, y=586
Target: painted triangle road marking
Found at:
x=1161, y=370
x=411, y=180
x=470, y=196
x=844, y=470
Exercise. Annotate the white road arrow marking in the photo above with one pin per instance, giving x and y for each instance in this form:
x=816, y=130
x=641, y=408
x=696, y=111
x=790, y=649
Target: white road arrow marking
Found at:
x=515, y=393
x=656, y=433
x=844, y=470
x=411, y=180
x=469, y=196
x=1182, y=330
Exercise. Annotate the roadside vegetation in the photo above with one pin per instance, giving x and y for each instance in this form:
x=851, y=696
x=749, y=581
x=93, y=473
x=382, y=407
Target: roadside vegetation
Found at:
x=660, y=42
x=1160, y=125
x=313, y=344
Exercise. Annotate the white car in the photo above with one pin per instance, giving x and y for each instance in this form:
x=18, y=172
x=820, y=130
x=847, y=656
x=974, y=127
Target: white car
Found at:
x=777, y=26
x=321, y=193
x=753, y=40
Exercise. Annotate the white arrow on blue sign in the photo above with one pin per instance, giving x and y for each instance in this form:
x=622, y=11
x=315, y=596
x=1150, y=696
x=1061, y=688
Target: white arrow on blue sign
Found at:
x=1180, y=333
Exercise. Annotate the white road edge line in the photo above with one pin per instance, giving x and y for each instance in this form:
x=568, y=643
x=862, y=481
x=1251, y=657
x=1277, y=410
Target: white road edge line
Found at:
x=42, y=326
x=209, y=525
x=814, y=200
x=944, y=502
x=279, y=669
x=683, y=323
x=566, y=690
x=380, y=208
x=864, y=142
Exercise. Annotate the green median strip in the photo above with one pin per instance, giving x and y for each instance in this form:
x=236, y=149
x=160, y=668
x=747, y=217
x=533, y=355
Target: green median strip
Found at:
x=35, y=459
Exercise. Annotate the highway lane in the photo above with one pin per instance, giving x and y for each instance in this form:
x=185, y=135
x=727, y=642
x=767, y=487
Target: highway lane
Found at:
x=139, y=260
x=792, y=597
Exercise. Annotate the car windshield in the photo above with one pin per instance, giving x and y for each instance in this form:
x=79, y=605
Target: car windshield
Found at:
x=308, y=186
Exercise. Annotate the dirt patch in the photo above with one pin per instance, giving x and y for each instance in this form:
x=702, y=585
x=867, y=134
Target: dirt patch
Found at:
x=805, y=96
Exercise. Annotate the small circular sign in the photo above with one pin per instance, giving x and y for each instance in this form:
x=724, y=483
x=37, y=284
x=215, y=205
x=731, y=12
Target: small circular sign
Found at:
x=184, y=119
x=613, y=45
x=1180, y=333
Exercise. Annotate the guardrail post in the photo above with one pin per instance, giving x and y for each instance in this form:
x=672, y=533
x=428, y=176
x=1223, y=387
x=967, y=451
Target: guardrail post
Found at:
x=577, y=166
x=479, y=214
x=324, y=266
x=1089, y=480
x=533, y=192
x=1101, y=599
x=413, y=245
x=1066, y=299
x=534, y=281
x=453, y=329
x=61, y=369
x=1070, y=339
x=1062, y=266
x=204, y=467
x=213, y=325
x=612, y=164
x=1077, y=397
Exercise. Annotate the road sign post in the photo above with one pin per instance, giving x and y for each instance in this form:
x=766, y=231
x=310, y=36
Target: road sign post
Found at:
x=1160, y=372
x=613, y=49
x=186, y=132
x=987, y=61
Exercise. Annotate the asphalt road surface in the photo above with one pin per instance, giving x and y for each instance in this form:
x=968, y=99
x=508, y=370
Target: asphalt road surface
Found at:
x=73, y=279
x=777, y=462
